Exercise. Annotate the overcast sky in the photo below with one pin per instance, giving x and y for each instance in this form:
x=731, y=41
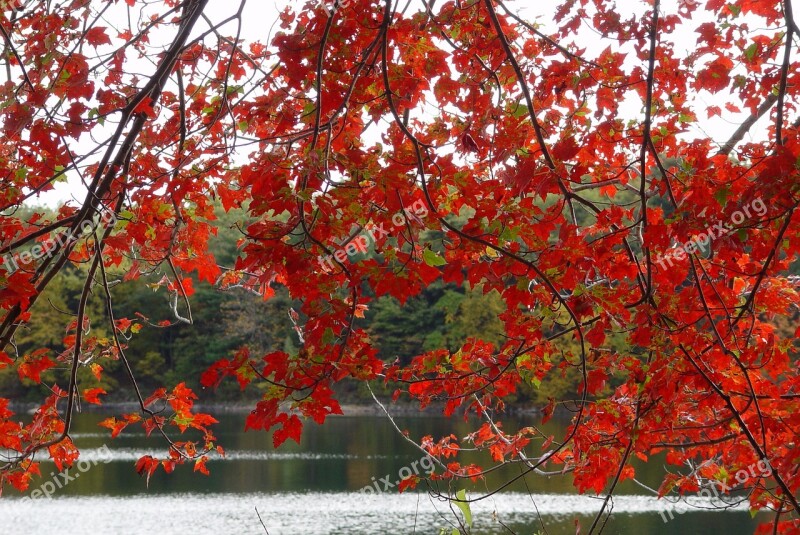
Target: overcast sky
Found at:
x=259, y=24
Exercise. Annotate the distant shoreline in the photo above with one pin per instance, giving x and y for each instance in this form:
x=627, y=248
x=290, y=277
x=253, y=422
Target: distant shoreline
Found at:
x=349, y=409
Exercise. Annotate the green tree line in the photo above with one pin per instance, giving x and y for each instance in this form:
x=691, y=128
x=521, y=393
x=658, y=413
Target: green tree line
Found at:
x=443, y=315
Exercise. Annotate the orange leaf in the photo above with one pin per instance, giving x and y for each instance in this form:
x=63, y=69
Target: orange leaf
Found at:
x=90, y=395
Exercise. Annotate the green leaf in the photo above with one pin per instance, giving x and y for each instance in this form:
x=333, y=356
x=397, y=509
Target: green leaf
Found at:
x=328, y=337
x=520, y=111
x=509, y=233
x=742, y=235
x=432, y=259
x=60, y=175
x=721, y=195
x=183, y=420
x=464, y=506
x=750, y=51
x=234, y=89
x=534, y=381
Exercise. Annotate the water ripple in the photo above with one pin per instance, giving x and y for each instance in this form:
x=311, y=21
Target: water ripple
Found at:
x=306, y=513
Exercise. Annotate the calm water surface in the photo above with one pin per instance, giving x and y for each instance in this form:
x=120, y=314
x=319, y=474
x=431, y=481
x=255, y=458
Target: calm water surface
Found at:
x=314, y=488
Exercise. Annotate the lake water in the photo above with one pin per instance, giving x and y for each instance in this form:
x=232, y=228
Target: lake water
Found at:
x=314, y=488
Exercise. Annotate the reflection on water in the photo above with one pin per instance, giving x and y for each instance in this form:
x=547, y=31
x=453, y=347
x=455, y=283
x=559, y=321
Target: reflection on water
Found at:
x=313, y=488
x=324, y=513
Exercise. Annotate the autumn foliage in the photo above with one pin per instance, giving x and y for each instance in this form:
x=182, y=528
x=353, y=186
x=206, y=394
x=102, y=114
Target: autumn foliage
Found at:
x=559, y=162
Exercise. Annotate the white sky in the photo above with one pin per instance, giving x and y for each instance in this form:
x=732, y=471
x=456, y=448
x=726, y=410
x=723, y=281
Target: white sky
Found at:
x=259, y=24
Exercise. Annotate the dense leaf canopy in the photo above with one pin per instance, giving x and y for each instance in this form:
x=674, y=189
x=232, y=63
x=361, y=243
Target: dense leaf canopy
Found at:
x=619, y=183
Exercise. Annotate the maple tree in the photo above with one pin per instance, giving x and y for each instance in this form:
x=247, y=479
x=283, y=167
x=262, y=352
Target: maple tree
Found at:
x=474, y=147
